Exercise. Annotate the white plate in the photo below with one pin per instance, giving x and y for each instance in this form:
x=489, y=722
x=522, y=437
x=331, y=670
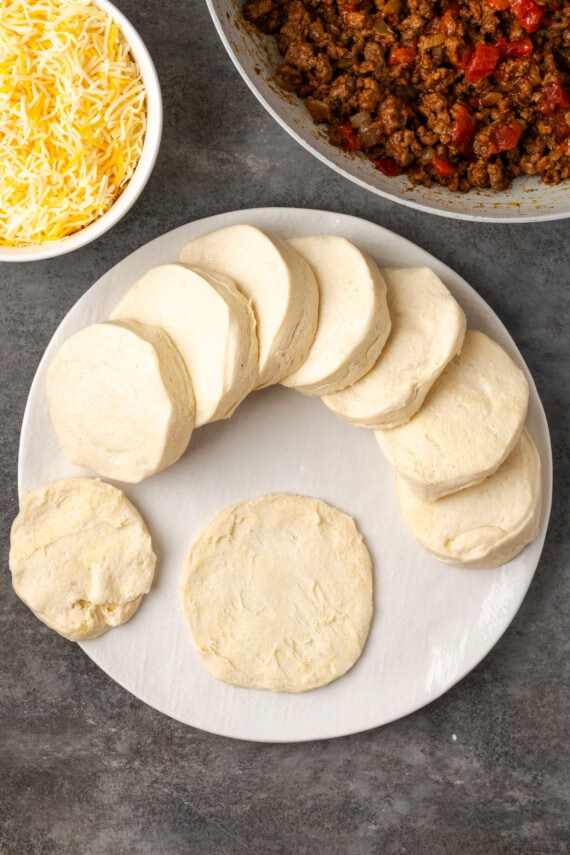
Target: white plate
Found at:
x=256, y=57
x=432, y=623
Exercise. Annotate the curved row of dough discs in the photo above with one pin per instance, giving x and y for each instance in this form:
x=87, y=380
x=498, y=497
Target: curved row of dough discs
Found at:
x=385, y=349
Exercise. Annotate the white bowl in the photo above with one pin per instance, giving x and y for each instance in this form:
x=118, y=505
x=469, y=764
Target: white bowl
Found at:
x=142, y=172
x=256, y=57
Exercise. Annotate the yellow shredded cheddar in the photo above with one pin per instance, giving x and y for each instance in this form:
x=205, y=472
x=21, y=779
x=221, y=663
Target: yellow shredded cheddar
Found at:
x=72, y=117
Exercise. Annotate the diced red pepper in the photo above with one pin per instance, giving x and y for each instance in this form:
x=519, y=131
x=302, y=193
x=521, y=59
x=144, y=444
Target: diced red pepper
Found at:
x=447, y=21
x=349, y=7
x=387, y=166
x=528, y=13
x=349, y=138
x=463, y=130
x=498, y=5
x=516, y=49
x=483, y=62
x=503, y=47
x=433, y=26
x=442, y=166
x=507, y=136
x=520, y=48
x=503, y=138
x=306, y=89
x=555, y=98
x=403, y=55
x=561, y=128
x=464, y=55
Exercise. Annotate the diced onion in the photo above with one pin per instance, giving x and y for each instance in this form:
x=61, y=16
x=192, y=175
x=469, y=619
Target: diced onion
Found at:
x=427, y=155
x=369, y=131
x=392, y=7
x=382, y=28
x=319, y=110
x=433, y=40
x=360, y=120
x=489, y=99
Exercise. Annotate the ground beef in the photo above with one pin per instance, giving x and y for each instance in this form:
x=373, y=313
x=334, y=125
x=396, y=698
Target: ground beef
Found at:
x=463, y=93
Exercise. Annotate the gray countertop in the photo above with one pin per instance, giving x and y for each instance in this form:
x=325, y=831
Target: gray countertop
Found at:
x=85, y=768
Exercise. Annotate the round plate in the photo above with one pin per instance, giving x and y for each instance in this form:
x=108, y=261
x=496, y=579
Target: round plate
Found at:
x=256, y=58
x=432, y=623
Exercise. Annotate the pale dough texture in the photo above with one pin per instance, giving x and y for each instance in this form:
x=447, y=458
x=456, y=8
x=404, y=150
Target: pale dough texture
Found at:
x=120, y=400
x=278, y=593
x=469, y=423
x=211, y=324
x=354, y=321
x=485, y=525
x=280, y=285
x=428, y=328
x=81, y=556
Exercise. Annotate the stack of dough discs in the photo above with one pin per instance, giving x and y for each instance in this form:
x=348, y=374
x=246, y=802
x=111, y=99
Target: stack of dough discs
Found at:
x=81, y=556
x=121, y=400
x=428, y=328
x=280, y=285
x=485, y=525
x=211, y=324
x=354, y=321
x=469, y=423
x=278, y=593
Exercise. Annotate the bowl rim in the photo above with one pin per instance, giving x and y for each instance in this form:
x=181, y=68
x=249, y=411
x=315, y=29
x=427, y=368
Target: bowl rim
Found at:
x=142, y=173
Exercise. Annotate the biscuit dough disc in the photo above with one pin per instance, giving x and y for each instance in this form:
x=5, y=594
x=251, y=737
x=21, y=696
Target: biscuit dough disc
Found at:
x=469, y=423
x=354, y=321
x=211, y=324
x=485, y=525
x=280, y=285
x=81, y=556
x=428, y=328
x=120, y=400
x=278, y=593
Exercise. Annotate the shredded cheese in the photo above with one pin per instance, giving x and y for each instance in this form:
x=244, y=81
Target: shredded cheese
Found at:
x=72, y=117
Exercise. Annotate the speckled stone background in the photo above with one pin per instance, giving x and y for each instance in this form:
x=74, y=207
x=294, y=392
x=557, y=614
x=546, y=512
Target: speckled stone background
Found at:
x=87, y=769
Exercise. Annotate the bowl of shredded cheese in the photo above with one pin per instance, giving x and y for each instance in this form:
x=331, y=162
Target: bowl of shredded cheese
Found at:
x=80, y=124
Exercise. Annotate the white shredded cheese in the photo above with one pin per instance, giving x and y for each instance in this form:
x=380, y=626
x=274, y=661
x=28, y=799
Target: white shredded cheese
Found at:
x=72, y=117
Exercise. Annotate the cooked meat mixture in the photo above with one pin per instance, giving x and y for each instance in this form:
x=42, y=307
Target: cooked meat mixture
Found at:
x=467, y=93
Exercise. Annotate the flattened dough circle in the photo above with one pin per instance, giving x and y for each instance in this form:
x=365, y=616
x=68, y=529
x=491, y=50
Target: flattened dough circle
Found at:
x=278, y=593
x=81, y=556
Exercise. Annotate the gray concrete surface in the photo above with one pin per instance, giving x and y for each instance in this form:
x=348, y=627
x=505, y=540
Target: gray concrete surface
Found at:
x=87, y=769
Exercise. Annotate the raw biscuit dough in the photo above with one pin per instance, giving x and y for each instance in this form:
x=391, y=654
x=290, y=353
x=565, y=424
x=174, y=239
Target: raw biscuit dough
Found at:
x=469, y=423
x=354, y=321
x=212, y=325
x=278, y=593
x=280, y=285
x=428, y=328
x=120, y=400
x=485, y=525
x=81, y=556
